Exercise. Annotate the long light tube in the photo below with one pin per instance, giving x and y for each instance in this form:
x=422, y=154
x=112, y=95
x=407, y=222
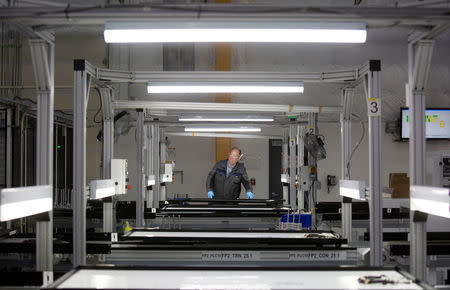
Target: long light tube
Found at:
x=187, y=87
x=355, y=189
x=222, y=129
x=431, y=200
x=225, y=119
x=20, y=202
x=234, y=31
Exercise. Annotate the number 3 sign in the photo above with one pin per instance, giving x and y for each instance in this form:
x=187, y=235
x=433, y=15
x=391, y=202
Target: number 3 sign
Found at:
x=374, y=107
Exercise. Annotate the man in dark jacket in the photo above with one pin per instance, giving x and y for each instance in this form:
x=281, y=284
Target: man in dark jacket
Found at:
x=224, y=180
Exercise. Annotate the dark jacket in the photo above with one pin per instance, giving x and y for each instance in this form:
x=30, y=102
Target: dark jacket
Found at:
x=227, y=187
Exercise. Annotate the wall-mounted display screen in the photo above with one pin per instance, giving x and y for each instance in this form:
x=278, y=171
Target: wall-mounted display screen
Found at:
x=437, y=123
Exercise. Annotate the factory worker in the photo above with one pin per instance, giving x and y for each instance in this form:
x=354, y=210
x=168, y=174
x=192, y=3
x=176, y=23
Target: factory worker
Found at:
x=225, y=178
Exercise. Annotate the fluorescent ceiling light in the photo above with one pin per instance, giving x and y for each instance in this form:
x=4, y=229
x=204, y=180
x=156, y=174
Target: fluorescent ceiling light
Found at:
x=20, y=202
x=431, y=200
x=355, y=189
x=222, y=129
x=188, y=87
x=102, y=188
x=225, y=119
x=234, y=31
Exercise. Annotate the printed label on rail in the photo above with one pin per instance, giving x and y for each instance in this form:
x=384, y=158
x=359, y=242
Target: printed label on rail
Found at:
x=230, y=256
x=318, y=256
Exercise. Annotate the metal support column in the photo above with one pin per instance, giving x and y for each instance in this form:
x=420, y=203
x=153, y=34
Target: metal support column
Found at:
x=284, y=169
x=43, y=59
x=162, y=156
x=156, y=164
x=346, y=140
x=148, y=163
x=9, y=156
x=292, y=167
x=312, y=162
x=107, y=154
x=140, y=168
x=82, y=82
x=300, y=164
x=418, y=76
x=373, y=85
x=9, y=143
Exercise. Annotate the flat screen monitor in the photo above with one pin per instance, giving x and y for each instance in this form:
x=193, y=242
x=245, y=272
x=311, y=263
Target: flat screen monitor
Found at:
x=437, y=123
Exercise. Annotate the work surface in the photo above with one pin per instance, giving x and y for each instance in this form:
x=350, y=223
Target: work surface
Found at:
x=247, y=235
x=228, y=279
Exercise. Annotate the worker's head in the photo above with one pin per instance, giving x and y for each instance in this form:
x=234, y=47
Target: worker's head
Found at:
x=234, y=156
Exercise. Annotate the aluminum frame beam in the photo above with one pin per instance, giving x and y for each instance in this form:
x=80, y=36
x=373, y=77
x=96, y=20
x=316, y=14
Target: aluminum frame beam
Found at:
x=418, y=70
x=9, y=143
x=346, y=139
x=373, y=88
x=300, y=163
x=121, y=76
x=107, y=153
x=155, y=163
x=223, y=107
x=96, y=15
x=82, y=81
x=312, y=161
x=140, y=222
x=43, y=60
x=292, y=166
x=148, y=163
x=284, y=166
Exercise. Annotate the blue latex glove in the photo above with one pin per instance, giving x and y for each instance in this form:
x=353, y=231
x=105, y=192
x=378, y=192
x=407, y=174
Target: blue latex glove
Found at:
x=250, y=195
x=210, y=194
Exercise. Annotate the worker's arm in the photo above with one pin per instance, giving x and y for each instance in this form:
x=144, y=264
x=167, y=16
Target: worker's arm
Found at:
x=210, y=180
x=245, y=181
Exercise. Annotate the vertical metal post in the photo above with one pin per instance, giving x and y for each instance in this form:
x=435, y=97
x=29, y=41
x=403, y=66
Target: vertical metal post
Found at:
x=292, y=167
x=345, y=119
x=300, y=164
x=418, y=75
x=107, y=155
x=108, y=151
x=80, y=101
x=140, y=168
x=312, y=161
x=148, y=163
x=42, y=55
x=9, y=155
x=156, y=164
x=284, y=166
x=375, y=202
x=162, y=156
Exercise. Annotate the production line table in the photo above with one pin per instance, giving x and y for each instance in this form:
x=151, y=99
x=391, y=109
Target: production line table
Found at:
x=114, y=277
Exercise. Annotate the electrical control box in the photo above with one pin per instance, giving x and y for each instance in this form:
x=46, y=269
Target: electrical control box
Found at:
x=167, y=176
x=119, y=173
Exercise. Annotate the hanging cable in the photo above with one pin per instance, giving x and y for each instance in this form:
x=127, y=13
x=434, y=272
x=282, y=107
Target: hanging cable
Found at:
x=99, y=109
x=357, y=144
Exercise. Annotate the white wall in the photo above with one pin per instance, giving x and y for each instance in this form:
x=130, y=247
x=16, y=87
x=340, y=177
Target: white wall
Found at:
x=395, y=157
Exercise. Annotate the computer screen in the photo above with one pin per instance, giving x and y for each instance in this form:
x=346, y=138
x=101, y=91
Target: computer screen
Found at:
x=437, y=123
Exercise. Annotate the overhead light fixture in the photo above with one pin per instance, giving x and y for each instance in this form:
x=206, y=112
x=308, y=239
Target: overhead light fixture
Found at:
x=102, y=188
x=431, y=200
x=225, y=119
x=355, y=189
x=234, y=31
x=191, y=87
x=19, y=202
x=222, y=129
